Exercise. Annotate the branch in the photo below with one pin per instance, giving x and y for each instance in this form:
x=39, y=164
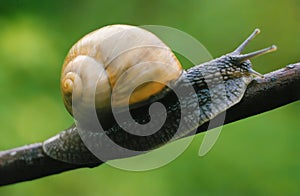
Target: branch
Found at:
x=276, y=89
x=30, y=162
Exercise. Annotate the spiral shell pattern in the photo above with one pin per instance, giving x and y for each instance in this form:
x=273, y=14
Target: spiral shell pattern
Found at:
x=126, y=55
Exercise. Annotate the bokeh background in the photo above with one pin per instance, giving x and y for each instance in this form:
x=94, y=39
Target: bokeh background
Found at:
x=255, y=156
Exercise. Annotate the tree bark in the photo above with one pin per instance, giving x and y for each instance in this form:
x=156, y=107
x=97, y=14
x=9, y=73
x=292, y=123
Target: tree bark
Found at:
x=276, y=89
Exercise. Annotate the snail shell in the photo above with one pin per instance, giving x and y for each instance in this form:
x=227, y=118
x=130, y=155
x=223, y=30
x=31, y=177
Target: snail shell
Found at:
x=123, y=52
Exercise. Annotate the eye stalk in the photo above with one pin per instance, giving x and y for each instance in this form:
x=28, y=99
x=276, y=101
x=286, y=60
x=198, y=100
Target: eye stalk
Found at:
x=243, y=57
x=248, y=56
x=246, y=42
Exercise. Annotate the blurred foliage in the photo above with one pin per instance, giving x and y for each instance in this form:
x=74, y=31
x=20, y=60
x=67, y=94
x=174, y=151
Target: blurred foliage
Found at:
x=255, y=156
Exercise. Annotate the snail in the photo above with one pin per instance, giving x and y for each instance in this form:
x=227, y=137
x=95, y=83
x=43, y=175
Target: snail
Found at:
x=126, y=56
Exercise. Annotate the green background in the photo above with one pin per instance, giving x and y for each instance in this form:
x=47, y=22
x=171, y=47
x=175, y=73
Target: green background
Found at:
x=255, y=156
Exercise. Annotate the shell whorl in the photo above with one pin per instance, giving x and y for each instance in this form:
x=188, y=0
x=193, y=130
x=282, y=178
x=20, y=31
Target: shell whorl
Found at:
x=68, y=82
x=67, y=87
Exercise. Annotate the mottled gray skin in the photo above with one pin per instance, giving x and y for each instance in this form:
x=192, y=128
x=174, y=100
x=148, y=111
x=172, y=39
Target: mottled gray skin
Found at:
x=226, y=78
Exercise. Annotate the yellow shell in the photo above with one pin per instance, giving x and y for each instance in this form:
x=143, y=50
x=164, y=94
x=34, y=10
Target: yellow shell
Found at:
x=127, y=55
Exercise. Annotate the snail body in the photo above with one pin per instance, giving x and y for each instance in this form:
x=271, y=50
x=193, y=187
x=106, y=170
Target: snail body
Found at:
x=128, y=55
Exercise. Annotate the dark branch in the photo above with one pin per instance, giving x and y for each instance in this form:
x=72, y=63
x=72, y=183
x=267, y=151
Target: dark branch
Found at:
x=30, y=162
x=276, y=89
